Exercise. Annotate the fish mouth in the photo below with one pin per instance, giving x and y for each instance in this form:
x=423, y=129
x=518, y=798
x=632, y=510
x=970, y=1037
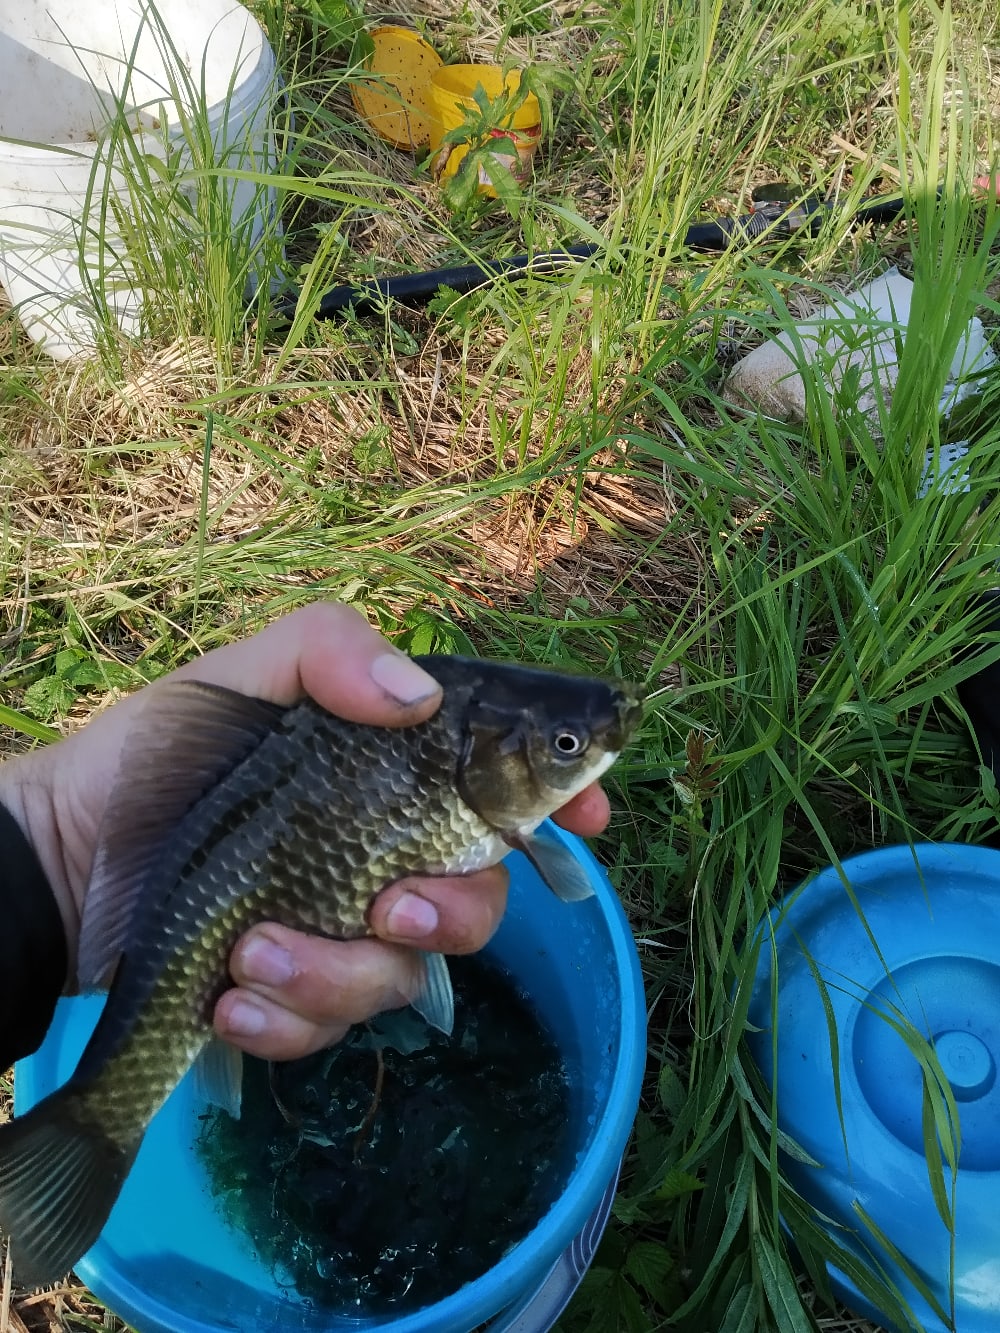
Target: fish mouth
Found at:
x=628, y=706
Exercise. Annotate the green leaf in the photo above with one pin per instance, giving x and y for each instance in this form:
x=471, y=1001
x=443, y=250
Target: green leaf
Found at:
x=742, y=1311
x=839, y=1249
x=676, y=1183
x=10, y=717
x=735, y=1212
x=50, y=696
x=909, y=1270
x=67, y=659
x=632, y=1318
x=605, y=1302
x=594, y=1307
x=780, y=1289
x=650, y=1266
x=423, y=636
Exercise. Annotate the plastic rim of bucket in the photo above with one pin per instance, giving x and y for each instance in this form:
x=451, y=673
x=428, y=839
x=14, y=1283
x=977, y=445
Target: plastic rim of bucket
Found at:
x=916, y=939
x=405, y=62
x=579, y=963
x=47, y=179
x=540, y=1309
x=452, y=90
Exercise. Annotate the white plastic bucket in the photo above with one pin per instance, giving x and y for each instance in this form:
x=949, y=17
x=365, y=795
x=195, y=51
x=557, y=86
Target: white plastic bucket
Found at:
x=65, y=69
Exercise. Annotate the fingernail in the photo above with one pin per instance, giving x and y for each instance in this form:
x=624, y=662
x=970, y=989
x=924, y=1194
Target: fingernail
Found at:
x=244, y=1019
x=264, y=961
x=412, y=917
x=401, y=678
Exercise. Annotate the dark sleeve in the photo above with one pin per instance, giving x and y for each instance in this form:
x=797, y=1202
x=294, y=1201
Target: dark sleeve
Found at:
x=33, y=959
x=980, y=695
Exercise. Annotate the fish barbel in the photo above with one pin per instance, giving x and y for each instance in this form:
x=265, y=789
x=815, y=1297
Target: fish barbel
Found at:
x=229, y=811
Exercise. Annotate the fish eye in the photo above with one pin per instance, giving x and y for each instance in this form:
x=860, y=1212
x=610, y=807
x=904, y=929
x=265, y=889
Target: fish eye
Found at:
x=568, y=744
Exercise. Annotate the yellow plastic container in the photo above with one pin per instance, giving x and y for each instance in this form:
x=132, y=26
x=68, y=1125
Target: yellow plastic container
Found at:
x=451, y=95
x=397, y=105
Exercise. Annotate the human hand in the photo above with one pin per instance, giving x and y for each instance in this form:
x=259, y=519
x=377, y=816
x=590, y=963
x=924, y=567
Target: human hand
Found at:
x=293, y=993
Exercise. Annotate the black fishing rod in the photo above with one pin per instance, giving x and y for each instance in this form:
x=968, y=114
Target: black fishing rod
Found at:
x=781, y=216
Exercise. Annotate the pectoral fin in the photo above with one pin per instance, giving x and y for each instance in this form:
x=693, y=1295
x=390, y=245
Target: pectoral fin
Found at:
x=218, y=1076
x=565, y=875
x=435, y=999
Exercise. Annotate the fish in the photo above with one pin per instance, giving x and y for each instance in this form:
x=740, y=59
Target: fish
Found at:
x=229, y=810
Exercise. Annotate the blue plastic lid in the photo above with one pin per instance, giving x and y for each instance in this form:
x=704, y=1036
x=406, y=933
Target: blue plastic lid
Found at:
x=903, y=936
x=168, y=1261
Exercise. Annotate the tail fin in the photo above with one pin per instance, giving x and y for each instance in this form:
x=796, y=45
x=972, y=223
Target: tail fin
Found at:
x=59, y=1179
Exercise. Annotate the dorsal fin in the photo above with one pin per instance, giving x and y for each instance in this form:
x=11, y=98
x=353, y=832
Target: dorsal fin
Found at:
x=187, y=738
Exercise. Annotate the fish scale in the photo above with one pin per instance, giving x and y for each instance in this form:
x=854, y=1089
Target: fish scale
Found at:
x=230, y=811
x=313, y=880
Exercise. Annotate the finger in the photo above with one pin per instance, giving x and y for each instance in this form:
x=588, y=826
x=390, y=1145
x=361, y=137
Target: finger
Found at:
x=330, y=652
x=587, y=814
x=296, y=992
x=262, y=1028
x=456, y=914
x=326, y=981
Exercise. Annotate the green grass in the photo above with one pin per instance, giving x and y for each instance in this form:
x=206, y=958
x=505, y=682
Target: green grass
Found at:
x=550, y=469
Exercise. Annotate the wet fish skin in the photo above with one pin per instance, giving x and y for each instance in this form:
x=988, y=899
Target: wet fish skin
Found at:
x=231, y=811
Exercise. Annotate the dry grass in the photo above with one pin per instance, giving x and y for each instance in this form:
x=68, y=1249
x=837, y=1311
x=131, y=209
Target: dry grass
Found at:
x=105, y=482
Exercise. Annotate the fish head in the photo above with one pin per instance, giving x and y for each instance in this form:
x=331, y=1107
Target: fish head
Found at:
x=532, y=738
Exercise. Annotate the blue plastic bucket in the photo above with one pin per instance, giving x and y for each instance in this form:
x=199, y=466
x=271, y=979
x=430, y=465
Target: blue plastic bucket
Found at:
x=912, y=937
x=168, y=1262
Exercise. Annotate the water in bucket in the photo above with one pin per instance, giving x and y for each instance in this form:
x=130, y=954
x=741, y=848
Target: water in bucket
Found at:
x=381, y=1175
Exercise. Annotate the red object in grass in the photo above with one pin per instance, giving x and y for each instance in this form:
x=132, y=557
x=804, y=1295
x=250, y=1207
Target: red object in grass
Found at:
x=987, y=184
